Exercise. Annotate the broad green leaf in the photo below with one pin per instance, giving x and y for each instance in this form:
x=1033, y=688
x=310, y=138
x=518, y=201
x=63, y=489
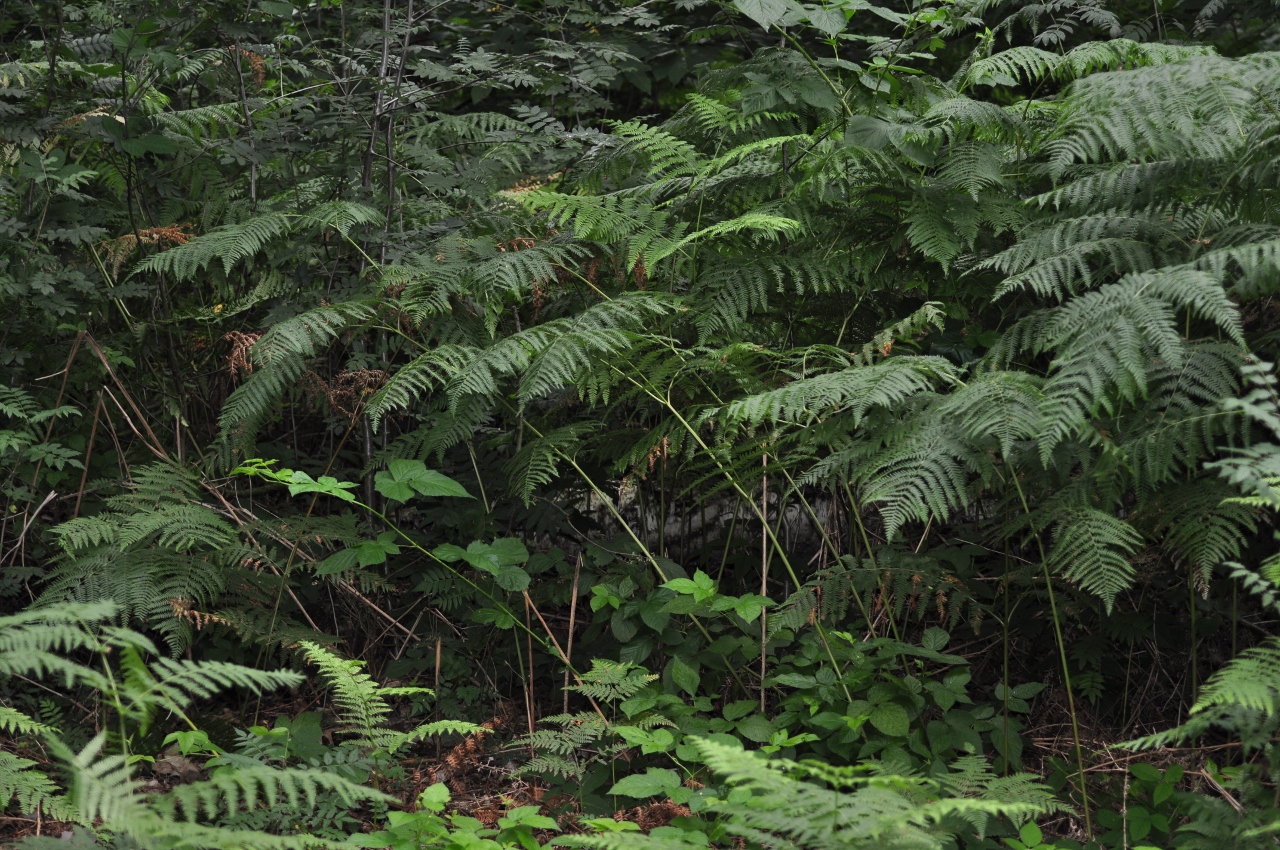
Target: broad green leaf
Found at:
x=934, y=638
x=501, y=619
x=764, y=12
x=624, y=628
x=685, y=675
x=1146, y=772
x=403, y=478
x=830, y=21
x=149, y=144
x=300, y=482
x=740, y=708
x=749, y=606
x=651, y=783
x=338, y=562
x=1139, y=823
x=372, y=552
x=498, y=560
x=434, y=797
x=891, y=719
x=304, y=735
x=756, y=728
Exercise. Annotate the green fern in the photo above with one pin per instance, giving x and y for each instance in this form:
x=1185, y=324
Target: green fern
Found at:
x=1092, y=548
x=364, y=709
x=777, y=802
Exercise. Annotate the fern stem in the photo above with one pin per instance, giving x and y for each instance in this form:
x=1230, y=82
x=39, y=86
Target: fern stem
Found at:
x=1195, y=649
x=479, y=481
x=1005, y=647
x=1062, y=654
x=1235, y=614
x=728, y=541
x=836, y=90
x=764, y=570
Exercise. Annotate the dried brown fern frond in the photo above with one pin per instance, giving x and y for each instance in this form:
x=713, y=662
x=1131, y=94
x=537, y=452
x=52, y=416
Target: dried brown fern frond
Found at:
x=239, y=362
x=347, y=392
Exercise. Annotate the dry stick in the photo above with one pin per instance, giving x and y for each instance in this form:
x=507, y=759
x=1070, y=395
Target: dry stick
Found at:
x=1124, y=812
x=405, y=645
x=436, y=687
x=367, y=601
x=115, y=440
x=158, y=452
x=573, y=615
x=1232, y=801
x=383, y=633
x=88, y=453
x=106, y=364
x=764, y=569
x=439, y=644
x=563, y=657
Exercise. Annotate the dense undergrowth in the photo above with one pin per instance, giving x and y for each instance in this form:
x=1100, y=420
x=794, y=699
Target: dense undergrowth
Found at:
x=768, y=424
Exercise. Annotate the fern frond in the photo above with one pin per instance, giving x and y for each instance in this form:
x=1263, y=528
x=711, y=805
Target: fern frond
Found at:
x=230, y=244
x=855, y=390
x=1250, y=680
x=1092, y=548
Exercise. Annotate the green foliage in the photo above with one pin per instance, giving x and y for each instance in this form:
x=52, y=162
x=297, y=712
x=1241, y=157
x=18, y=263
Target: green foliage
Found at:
x=786, y=335
x=809, y=804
